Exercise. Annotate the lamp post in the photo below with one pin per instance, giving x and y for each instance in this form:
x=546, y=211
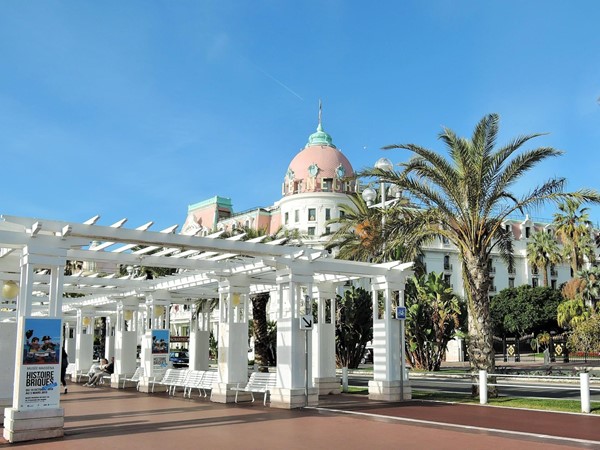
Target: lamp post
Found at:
x=369, y=195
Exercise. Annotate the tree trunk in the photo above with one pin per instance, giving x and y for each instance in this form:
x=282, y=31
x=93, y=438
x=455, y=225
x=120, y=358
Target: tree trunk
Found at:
x=480, y=347
x=261, y=333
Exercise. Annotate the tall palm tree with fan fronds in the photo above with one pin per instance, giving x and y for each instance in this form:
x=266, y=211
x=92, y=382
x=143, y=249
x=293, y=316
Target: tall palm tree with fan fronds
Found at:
x=465, y=196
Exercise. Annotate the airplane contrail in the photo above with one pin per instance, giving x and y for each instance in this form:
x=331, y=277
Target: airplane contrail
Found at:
x=287, y=88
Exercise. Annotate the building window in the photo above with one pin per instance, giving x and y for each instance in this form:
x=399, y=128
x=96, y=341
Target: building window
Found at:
x=287, y=218
x=312, y=214
x=527, y=232
x=327, y=214
x=492, y=286
x=296, y=216
x=342, y=214
x=311, y=231
x=447, y=265
x=327, y=230
x=447, y=279
x=553, y=284
x=534, y=282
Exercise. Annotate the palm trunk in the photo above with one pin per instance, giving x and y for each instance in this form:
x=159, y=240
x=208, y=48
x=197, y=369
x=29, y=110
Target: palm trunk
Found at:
x=480, y=346
x=261, y=332
x=546, y=275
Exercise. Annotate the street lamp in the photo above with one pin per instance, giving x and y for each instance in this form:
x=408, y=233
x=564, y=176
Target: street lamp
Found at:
x=369, y=195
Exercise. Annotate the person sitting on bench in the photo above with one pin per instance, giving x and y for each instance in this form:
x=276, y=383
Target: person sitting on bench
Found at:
x=106, y=368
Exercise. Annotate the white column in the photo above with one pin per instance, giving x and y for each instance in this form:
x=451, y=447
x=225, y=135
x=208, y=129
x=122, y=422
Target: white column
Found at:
x=84, y=340
x=389, y=383
x=233, y=339
x=36, y=412
x=155, y=341
x=109, y=338
x=199, y=337
x=323, y=348
x=292, y=368
x=125, y=339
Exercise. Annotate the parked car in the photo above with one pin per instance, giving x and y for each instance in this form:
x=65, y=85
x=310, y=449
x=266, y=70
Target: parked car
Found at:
x=180, y=358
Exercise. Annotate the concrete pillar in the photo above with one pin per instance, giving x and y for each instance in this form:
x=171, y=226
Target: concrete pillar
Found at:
x=70, y=343
x=323, y=342
x=154, y=356
x=232, y=340
x=109, y=339
x=125, y=339
x=84, y=340
x=36, y=412
x=389, y=382
x=295, y=387
x=199, y=345
x=8, y=346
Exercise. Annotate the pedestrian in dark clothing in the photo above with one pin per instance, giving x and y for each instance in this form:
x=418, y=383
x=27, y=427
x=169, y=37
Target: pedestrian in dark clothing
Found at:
x=63, y=369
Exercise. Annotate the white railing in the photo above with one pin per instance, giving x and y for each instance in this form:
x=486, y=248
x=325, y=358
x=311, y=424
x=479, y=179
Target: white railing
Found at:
x=584, y=385
x=566, y=383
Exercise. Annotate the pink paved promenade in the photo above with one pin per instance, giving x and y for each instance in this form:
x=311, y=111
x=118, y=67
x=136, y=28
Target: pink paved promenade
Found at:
x=112, y=419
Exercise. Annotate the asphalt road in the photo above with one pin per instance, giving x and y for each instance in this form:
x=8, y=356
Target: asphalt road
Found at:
x=454, y=385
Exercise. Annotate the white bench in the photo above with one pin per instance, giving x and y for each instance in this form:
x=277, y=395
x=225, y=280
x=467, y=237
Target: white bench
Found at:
x=177, y=380
x=72, y=371
x=259, y=382
x=203, y=380
x=135, y=378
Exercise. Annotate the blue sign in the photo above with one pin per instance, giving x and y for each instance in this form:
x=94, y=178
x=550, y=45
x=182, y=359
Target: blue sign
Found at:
x=400, y=312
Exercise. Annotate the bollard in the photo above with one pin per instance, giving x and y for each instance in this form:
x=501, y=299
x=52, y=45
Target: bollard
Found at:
x=344, y=379
x=483, y=390
x=585, y=392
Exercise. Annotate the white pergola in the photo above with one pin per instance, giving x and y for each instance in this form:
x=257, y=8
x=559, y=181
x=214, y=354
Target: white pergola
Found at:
x=34, y=253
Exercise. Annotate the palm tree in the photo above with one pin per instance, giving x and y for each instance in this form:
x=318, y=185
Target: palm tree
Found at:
x=590, y=289
x=543, y=251
x=465, y=198
x=359, y=237
x=572, y=228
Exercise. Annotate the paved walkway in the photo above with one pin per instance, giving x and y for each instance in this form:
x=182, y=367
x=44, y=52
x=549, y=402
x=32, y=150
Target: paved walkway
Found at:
x=105, y=418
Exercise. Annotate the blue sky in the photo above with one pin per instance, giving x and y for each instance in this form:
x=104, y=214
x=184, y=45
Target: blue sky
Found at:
x=139, y=108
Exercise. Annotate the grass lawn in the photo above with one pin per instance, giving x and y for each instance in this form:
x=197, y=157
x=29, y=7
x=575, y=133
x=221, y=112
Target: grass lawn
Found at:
x=511, y=402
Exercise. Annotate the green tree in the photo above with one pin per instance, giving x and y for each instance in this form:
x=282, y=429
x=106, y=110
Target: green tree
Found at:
x=573, y=309
x=465, y=198
x=542, y=252
x=433, y=313
x=525, y=309
x=573, y=229
x=353, y=326
x=586, y=336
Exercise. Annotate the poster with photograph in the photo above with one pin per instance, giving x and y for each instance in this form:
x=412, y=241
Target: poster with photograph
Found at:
x=160, y=342
x=40, y=372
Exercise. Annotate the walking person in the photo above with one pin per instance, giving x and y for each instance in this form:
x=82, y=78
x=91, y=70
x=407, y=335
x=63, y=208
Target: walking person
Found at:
x=63, y=369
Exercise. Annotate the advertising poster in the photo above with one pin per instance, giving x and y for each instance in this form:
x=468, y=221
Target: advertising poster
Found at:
x=160, y=349
x=40, y=371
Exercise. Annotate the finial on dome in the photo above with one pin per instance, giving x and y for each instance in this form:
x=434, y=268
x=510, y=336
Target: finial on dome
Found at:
x=320, y=126
x=320, y=137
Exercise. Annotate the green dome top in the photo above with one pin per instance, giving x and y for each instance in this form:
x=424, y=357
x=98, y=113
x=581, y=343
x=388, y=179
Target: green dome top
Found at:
x=320, y=137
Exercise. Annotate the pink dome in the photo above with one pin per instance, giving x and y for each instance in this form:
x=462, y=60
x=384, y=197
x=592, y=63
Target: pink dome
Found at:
x=327, y=159
x=319, y=167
